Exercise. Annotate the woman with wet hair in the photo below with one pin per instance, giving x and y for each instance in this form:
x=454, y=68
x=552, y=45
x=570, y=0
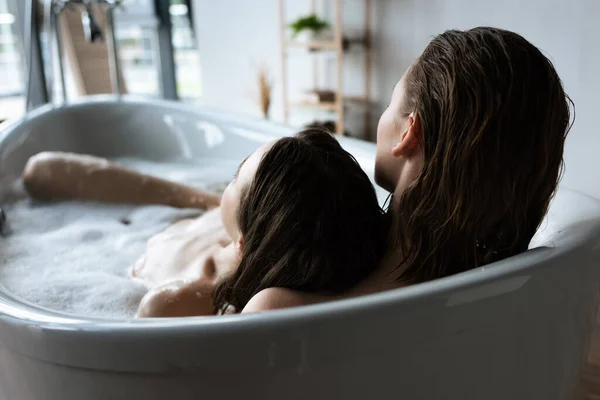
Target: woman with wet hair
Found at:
x=302, y=215
x=471, y=147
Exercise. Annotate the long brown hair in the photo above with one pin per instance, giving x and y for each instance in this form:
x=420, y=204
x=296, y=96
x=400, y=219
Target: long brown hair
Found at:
x=494, y=119
x=310, y=222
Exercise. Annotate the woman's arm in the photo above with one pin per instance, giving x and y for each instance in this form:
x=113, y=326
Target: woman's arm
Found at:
x=68, y=176
x=178, y=299
x=185, y=276
x=276, y=298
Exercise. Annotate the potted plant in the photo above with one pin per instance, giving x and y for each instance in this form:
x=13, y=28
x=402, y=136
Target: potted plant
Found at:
x=308, y=28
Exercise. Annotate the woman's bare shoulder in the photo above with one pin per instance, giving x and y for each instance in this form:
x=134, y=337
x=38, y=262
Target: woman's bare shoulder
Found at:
x=275, y=298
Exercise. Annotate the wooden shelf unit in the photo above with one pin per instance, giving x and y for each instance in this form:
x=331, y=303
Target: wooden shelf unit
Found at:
x=313, y=45
x=329, y=105
x=335, y=45
x=324, y=105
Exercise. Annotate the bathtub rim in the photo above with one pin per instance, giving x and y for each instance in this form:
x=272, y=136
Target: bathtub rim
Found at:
x=132, y=99
x=10, y=125
x=9, y=130
x=25, y=311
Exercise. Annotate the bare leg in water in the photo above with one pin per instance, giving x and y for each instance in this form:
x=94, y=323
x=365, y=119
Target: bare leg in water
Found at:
x=183, y=263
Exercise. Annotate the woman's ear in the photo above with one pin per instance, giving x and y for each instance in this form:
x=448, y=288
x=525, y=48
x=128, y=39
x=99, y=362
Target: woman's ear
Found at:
x=410, y=138
x=239, y=246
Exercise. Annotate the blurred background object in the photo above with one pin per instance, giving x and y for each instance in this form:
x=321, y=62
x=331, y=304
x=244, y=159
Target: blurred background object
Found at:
x=265, y=87
x=327, y=44
x=12, y=79
x=158, y=56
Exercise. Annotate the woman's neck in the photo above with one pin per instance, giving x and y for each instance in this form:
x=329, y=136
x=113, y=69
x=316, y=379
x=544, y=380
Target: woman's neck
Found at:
x=392, y=263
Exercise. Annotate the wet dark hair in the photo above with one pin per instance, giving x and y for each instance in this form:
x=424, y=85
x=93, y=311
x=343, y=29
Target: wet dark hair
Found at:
x=310, y=222
x=494, y=118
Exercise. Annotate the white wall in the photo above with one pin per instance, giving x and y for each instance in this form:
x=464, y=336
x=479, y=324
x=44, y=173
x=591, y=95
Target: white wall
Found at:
x=232, y=34
x=233, y=37
x=567, y=31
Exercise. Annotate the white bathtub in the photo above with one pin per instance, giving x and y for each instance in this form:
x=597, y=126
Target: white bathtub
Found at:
x=517, y=329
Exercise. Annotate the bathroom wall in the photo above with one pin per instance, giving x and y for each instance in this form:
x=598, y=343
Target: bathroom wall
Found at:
x=232, y=33
x=235, y=36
